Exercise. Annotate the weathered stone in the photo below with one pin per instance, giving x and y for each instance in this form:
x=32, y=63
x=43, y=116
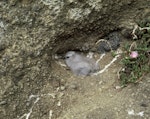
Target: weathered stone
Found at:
x=111, y=42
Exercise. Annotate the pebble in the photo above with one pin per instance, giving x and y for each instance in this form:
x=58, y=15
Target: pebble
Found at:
x=3, y=102
x=73, y=86
x=62, y=88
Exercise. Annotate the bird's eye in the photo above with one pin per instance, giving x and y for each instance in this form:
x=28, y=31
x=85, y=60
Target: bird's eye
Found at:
x=67, y=57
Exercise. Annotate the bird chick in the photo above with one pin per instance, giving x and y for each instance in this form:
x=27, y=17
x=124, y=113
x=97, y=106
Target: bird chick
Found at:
x=80, y=65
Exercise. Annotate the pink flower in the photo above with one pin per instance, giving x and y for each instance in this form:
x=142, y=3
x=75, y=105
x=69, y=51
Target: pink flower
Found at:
x=134, y=54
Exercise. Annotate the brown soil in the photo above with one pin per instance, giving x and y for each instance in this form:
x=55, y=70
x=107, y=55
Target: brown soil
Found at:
x=100, y=96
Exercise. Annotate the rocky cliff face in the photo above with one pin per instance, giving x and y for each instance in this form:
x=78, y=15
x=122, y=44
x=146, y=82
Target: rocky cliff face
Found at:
x=31, y=31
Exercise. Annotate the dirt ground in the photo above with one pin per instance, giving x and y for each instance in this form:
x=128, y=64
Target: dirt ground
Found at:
x=99, y=96
x=92, y=97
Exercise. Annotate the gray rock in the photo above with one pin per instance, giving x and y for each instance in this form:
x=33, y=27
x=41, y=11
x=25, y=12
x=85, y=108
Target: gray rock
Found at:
x=112, y=42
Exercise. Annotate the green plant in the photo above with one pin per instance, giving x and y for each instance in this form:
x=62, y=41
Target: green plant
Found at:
x=136, y=58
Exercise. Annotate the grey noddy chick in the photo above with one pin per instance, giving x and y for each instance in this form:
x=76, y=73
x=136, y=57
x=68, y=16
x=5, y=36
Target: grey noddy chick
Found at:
x=80, y=65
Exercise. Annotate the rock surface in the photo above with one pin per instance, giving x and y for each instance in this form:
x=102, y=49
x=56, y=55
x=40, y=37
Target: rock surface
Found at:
x=111, y=42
